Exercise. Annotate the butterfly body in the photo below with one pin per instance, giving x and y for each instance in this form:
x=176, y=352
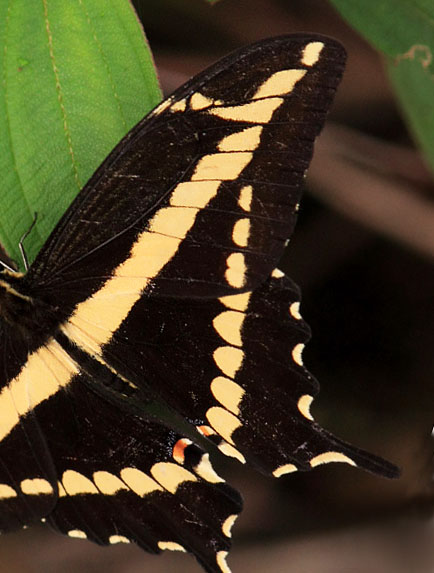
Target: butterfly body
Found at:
x=159, y=285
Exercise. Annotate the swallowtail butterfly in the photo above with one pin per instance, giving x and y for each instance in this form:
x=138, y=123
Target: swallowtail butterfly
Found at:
x=158, y=292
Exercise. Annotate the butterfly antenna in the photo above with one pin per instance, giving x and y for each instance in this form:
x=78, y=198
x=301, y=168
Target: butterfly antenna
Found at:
x=7, y=267
x=21, y=243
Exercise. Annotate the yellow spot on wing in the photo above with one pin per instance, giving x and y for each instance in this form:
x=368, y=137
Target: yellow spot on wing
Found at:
x=205, y=470
x=171, y=475
x=294, y=310
x=277, y=274
x=76, y=483
x=311, y=53
x=77, y=533
x=279, y=84
x=173, y=222
x=245, y=200
x=241, y=232
x=329, y=457
x=228, y=393
x=228, y=359
x=108, y=483
x=304, y=404
x=228, y=325
x=36, y=486
x=139, y=482
x=171, y=546
x=167, y=103
x=236, y=272
x=286, y=469
x=198, y=101
x=6, y=491
x=246, y=140
x=296, y=354
x=46, y=371
x=194, y=194
x=231, y=452
x=179, y=105
x=223, y=422
x=236, y=301
x=228, y=524
x=221, y=561
x=118, y=539
x=221, y=166
x=260, y=111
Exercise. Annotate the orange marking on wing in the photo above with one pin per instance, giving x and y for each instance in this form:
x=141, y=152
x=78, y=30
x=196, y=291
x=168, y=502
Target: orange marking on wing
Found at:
x=179, y=449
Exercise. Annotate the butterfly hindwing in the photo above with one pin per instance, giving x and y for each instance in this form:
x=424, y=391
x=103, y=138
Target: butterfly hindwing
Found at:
x=101, y=473
x=243, y=379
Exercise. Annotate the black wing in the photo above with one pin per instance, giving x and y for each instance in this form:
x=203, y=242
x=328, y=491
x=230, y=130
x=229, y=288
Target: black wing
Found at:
x=233, y=366
x=159, y=273
x=201, y=196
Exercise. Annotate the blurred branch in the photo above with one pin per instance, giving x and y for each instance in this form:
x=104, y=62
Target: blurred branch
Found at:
x=380, y=185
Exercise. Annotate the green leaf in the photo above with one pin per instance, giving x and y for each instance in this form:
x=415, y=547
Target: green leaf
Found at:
x=75, y=77
x=404, y=31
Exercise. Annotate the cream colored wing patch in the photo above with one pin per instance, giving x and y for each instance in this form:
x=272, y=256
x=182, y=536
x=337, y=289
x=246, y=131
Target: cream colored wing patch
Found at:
x=46, y=371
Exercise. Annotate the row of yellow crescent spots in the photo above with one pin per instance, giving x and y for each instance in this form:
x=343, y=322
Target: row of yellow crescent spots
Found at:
x=35, y=486
x=226, y=391
x=229, y=358
x=304, y=404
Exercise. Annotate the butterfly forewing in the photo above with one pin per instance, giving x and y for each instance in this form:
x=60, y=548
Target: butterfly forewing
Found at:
x=208, y=184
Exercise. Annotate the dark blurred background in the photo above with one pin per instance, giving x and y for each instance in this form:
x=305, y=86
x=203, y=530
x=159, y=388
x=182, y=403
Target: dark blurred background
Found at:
x=363, y=255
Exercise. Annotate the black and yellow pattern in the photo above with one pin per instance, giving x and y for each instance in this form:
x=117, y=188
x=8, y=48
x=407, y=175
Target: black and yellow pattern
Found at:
x=159, y=285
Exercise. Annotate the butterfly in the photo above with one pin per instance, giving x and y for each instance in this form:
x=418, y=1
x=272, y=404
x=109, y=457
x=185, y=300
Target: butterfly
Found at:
x=154, y=318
